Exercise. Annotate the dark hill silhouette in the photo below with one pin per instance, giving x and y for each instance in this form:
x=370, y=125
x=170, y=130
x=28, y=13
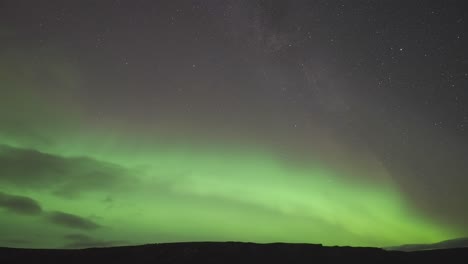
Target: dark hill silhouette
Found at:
x=452, y=243
x=230, y=252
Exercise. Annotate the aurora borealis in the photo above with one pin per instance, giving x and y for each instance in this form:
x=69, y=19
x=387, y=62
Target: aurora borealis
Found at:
x=132, y=122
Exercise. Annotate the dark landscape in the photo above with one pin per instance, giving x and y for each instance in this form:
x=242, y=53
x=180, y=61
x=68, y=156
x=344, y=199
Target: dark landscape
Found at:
x=230, y=252
x=461, y=242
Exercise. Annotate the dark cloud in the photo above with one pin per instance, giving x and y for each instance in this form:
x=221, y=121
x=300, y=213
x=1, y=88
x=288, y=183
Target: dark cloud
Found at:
x=71, y=220
x=25, y=205
x=15, y=242
x=19, y=204
x=85, y=241
x=63, y=176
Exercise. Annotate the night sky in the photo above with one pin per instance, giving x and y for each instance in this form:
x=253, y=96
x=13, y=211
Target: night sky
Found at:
x=333, y=122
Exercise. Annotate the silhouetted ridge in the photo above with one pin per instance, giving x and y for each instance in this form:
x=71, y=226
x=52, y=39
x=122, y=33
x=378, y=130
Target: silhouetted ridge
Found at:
x=229, y=252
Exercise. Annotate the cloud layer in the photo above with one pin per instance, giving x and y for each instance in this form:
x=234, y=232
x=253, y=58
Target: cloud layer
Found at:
x=19, y=204
x=85, y=241
x=66, y=177
x=27, y=206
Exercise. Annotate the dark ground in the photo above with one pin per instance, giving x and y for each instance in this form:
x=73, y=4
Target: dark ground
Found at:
x=230, y=252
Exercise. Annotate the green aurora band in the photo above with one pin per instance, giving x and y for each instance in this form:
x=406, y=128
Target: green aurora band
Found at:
x=131, y=188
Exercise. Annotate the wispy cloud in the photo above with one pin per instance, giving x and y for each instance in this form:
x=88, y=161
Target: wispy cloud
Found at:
x=19, y=204
x=71, y=220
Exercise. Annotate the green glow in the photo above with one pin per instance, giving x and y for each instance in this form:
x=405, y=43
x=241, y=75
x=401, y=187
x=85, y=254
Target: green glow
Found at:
x=144, y=187
x=186, y=194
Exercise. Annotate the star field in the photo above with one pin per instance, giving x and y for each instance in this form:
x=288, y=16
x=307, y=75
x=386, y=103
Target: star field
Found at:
x=334, y=122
